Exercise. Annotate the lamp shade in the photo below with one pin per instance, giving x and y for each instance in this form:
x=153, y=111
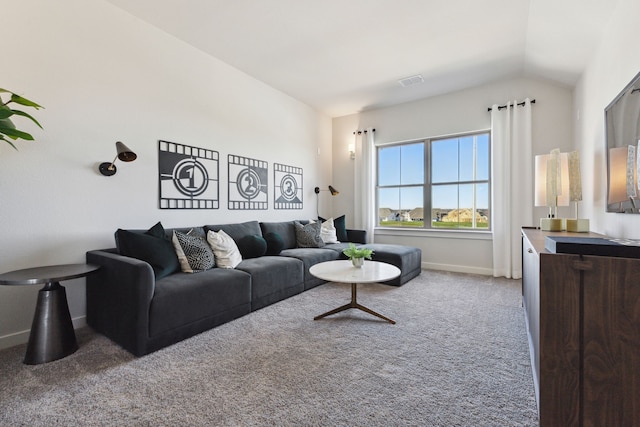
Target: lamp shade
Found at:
x=575, y=182
x=124, y=153
x=552, y=180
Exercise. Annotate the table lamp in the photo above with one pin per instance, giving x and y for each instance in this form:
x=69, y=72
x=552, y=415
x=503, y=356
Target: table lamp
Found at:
x=577, y=224
x=548, y=187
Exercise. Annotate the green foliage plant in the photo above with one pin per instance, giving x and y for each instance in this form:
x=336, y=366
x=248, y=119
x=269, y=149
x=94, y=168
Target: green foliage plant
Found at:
x=357, y=252
x=8, y=130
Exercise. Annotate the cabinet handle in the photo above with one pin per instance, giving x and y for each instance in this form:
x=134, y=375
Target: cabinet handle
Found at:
x=530, y=250
x=582, y=265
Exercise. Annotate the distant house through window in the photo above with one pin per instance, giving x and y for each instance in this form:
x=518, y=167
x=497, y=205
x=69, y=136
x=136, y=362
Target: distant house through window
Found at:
x=439, y=183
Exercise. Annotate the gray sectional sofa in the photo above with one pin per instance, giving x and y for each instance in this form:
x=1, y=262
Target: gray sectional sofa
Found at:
x=131, y=303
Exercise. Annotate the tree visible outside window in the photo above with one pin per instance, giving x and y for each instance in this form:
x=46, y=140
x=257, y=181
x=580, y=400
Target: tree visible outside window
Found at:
x=436, y=183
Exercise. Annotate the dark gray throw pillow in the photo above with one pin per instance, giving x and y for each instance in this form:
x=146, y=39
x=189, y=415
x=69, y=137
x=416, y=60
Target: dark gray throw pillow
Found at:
x=252, y=246
x=151, y=247
x=275, y=243
x=308, y=236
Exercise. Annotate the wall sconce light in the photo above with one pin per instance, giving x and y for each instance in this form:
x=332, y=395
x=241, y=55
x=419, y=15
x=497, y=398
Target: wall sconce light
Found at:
x=332, y=190
x=317, y=190
x=352, y=151
x=124, y=154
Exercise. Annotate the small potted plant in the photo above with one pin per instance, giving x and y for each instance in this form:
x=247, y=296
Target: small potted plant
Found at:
x=357, y=254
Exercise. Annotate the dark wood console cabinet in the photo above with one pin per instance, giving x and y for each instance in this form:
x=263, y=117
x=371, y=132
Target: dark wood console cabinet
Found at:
x=583, y=323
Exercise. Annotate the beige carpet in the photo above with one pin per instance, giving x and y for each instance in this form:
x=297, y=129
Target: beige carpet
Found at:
x=458, y=356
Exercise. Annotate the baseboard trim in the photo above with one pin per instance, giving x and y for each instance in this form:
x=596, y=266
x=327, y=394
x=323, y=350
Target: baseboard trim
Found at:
x=22, y=337
x=457, y=268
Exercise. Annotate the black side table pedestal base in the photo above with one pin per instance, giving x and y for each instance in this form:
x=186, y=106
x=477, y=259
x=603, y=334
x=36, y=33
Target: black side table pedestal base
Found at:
x=52, y=336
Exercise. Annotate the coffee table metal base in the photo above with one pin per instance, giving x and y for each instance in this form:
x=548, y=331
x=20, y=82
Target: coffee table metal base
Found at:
x=354, y=304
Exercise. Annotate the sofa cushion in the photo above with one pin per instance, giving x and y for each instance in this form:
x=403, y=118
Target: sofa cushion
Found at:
x=194, y=253
x=308, y=236
x=286, y=230
x=224, y=248
x=273, y=278
x=310, y=257
x=252, y=246
x=181, y=299
x=341, y=227
x=275, y=244
x=237, y=231
x=150, y=246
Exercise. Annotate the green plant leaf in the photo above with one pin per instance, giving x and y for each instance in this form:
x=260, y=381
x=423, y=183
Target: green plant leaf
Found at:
x=23, y=114
x=7, y=123
x=15, y=134
x=8, y=142
x=5, y=112
x=24, y=101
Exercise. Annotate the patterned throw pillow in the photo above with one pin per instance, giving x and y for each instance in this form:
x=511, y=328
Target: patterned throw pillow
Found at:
x=308, y=236
x=194, y=254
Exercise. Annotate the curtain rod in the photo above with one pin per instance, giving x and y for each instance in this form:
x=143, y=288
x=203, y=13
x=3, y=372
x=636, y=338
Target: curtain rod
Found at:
x=360, y=131
x=500, y=107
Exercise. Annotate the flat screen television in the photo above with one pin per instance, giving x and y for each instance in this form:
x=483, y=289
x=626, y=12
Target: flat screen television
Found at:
x=622, y=138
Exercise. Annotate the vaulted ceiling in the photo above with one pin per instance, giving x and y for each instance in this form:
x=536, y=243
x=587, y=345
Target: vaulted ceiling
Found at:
x=345, y=56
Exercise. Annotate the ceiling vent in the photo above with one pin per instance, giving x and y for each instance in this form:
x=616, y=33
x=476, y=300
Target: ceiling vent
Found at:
x=412, y=80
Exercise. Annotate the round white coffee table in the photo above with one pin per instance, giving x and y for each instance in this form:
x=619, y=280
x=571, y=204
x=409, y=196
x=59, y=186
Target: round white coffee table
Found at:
x=345, y=272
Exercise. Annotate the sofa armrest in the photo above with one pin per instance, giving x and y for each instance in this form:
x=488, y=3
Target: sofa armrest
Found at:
x=357, y=236
x=118, y=298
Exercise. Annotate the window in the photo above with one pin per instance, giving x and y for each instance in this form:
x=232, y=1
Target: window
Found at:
x=438, y=183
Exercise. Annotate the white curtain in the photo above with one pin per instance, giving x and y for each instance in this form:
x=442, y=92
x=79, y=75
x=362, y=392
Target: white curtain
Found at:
x=364, y=185
x=512, y=180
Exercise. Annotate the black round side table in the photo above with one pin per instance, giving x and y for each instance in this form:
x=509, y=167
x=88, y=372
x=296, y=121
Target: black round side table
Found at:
x=52, y=336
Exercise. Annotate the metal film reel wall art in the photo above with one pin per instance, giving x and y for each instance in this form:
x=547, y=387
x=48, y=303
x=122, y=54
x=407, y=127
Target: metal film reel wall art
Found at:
x=188, y=177
x=288, y=187
x=248, y=180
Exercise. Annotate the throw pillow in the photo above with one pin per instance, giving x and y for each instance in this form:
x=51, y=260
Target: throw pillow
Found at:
x=308, y=236
x=193, y=252
x=252, y=246
x=341, y=227
x=328, y=232
x=275, y=243
x=224, y=248
x=149, y=247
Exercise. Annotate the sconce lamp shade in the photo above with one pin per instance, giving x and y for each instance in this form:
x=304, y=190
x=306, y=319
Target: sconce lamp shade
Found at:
x=332, y=190
x=123, y=153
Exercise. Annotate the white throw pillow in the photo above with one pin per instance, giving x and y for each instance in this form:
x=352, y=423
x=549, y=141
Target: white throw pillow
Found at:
x=224, y=248
x=328, y=232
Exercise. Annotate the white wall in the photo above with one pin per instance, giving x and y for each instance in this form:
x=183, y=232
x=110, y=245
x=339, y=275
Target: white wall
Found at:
x=447, y=114
x=611, y=68
x=103, y=76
